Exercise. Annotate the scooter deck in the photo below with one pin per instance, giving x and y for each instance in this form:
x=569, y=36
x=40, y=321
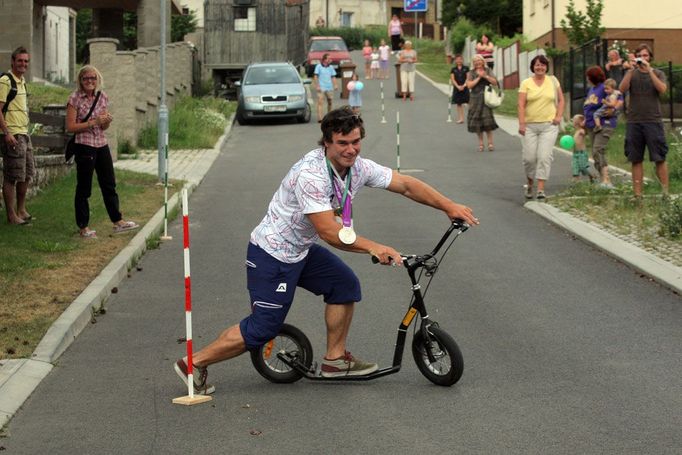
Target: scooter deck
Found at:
x=312, y=374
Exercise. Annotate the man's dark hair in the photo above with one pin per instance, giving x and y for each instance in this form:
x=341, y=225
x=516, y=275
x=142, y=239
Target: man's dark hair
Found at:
x=538, y=58
x=647, y=47
x=342, y=120
x=19, y=50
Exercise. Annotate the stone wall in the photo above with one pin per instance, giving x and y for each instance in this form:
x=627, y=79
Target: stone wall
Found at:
x=132, y=82
x=48, y=169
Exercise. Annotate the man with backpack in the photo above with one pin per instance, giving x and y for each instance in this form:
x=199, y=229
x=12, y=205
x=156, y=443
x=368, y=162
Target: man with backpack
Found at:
x=15, y=143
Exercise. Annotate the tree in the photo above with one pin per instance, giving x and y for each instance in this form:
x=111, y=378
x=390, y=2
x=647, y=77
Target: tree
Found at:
x=182, y=25
x=505, y=17
x=83, y=33
x=582, y=27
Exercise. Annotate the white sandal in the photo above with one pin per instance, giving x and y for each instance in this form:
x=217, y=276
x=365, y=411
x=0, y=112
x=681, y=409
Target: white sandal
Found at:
x=125, y=226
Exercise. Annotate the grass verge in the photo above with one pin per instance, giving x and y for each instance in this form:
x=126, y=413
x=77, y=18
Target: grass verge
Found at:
x=45, y=265
x=192, y=123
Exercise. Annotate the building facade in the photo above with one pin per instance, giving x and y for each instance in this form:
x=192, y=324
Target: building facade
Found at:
x=632, y=21
x=362, y=13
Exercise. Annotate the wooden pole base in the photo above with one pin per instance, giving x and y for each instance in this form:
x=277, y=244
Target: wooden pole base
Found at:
x=190, y=401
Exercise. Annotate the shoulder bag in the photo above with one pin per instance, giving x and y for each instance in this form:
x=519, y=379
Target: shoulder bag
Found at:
x=493, y=96
x=70, y=147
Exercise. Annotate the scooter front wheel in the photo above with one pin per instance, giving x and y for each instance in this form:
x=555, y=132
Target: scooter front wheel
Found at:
x=438, y=357
x=295, y=343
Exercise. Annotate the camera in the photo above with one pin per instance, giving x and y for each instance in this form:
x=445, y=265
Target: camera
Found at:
x=639, y=60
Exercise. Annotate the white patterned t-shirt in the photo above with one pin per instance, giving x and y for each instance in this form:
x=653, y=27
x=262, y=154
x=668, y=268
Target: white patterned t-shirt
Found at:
x=285, y=232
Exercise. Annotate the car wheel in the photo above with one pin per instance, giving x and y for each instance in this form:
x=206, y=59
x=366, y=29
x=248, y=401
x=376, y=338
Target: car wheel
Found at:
x=305, y=118
x=240, y=118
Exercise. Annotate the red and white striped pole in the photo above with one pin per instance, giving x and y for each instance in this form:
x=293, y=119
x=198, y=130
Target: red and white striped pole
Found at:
x=190, y=398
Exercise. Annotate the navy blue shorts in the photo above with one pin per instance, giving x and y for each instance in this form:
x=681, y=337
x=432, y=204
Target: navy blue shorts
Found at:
x=649, y=135
x=272, y=285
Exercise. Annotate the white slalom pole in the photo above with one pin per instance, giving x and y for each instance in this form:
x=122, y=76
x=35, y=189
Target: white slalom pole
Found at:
x=383, y=112
x=397, y=124
x=190, y=399
x=449, y=120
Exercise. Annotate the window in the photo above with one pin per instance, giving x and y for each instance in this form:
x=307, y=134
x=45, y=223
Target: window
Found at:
x=244, y=19
x=346, y=19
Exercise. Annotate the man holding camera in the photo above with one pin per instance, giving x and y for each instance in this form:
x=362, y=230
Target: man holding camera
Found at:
x=644, y=119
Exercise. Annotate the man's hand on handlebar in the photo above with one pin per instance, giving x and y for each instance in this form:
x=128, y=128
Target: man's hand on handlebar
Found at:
x=386, y=255
x=463, y=212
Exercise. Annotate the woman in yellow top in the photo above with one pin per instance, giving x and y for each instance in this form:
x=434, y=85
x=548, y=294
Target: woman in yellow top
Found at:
x=541, y=104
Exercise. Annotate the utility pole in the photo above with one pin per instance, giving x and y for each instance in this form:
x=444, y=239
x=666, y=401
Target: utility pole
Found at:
x=162, y=139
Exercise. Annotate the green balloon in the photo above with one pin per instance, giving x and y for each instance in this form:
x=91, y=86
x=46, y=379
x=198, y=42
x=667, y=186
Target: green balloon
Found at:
x=567, y=141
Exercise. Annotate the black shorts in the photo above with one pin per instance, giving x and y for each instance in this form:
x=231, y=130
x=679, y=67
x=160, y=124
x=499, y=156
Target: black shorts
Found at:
x=649, y=135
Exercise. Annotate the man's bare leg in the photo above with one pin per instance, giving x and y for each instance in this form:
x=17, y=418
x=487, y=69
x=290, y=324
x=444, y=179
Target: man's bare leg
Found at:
x=229, y=344
x=338, y=319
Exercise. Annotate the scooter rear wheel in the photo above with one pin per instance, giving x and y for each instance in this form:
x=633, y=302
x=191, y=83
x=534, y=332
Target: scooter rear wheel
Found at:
x=291, y=340
x=447, y=365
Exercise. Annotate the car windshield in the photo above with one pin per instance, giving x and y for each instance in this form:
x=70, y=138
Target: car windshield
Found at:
x=328, y=45
x=271, y=75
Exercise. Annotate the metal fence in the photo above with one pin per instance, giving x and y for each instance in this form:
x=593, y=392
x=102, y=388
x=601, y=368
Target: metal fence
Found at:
x=671, y=101
x=571, y=67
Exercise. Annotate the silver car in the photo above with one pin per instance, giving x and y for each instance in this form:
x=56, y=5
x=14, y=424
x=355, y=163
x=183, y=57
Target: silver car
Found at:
x=272, y=90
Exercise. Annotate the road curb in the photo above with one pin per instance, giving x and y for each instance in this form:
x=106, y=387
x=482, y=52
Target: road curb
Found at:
x=644, y=262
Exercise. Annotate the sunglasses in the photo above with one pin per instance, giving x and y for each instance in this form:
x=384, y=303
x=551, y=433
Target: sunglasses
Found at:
x=88, y=78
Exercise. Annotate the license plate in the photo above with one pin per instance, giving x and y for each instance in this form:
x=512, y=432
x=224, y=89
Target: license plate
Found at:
x=275, y=108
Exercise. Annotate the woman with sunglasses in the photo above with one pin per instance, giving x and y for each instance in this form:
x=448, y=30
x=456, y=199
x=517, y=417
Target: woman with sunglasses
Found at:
x=92, y=151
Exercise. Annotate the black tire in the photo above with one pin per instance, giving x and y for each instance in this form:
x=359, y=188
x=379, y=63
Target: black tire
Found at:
x=271, y=367
x=240, y=118
x=305, y=118
x=449, y=365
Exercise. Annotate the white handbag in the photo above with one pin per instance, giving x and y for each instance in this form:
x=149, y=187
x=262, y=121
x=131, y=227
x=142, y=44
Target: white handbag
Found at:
x=493, y=96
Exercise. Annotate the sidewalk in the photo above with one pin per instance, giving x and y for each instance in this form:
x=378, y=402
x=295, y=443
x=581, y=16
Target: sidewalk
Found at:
x=20, y=377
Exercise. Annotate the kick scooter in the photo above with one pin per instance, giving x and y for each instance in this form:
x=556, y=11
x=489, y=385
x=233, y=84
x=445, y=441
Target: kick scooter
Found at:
x=289, y=356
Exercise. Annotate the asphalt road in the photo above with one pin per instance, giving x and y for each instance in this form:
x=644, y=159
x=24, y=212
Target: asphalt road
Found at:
x=565, y=350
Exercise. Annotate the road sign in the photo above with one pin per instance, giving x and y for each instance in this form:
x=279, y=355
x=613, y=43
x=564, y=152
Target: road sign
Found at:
x=414, y=6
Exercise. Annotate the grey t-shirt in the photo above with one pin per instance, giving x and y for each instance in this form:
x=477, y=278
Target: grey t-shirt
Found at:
x=409, y=55
x=644, y=105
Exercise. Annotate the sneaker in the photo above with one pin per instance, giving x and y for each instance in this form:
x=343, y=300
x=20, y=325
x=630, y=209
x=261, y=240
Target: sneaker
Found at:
x=607, y=186
x=541, y=196
x=346, y=365
x=199, y=374
x=597, y=128
x=528, y=191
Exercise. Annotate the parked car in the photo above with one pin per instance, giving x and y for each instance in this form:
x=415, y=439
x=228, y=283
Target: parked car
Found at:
x=272, y=90
x=335, y=46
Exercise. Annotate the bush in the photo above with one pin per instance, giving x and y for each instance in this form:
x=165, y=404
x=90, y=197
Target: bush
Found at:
x=463, y=28
x=671, y=218
x=674, y=160
x=355, y=36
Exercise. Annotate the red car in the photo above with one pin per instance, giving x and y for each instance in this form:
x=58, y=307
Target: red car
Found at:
x=335, y=46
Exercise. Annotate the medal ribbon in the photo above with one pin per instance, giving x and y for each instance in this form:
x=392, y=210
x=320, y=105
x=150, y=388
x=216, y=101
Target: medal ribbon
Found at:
x=345, y=199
